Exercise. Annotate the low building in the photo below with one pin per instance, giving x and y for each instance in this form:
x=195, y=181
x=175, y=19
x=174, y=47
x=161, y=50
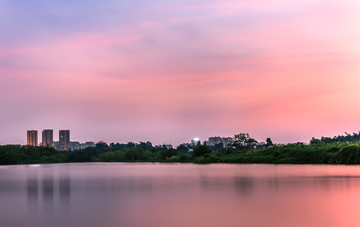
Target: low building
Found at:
x=56, y=145
x=87, y=144
x=225, y=141
x=74, y=145
x=214, y=140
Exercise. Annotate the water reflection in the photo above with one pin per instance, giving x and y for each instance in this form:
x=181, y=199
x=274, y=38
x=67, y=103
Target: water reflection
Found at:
x=48, y=194
x=179, y=195
x=47, y=185
x=273, y=183
x=244, y=185
x=32, y=194
x=65, y=191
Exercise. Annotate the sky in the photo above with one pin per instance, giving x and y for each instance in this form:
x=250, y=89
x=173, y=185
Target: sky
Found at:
x=167, y=71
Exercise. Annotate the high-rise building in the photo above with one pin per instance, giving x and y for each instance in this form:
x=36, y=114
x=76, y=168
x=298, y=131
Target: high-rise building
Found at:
x=47, y=138
x=32, y=137
x=64, y=140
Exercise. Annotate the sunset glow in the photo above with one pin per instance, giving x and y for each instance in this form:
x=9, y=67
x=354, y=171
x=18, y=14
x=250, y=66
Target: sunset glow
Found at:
x=167, y=71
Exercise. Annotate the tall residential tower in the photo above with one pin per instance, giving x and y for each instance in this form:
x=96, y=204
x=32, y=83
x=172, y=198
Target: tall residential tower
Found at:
x=64, y=140
x=47, y=138
x=32, y=138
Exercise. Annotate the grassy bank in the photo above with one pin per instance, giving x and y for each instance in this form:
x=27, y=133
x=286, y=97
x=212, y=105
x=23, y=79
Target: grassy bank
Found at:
x=330, y=153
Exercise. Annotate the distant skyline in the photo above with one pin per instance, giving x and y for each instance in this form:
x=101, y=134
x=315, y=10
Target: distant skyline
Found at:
x=170, y=71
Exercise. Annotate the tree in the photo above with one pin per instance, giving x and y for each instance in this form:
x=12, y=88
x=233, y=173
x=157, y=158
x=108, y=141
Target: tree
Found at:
x=218, y=146
x=167, y=153
x=201, y=150
x=243, y=140
x=145, y=146
x=182, y=148
x=314, y=141
x=102, y=147
x=269, y=143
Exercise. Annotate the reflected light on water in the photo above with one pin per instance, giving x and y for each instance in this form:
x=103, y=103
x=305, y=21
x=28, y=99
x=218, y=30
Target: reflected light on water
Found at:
x=179, y=195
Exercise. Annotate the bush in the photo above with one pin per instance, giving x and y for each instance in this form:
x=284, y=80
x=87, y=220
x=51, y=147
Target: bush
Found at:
x=201, y=151
x=349, y=155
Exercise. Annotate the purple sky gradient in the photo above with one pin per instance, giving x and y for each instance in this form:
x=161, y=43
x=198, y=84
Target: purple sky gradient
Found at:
x=169, y=71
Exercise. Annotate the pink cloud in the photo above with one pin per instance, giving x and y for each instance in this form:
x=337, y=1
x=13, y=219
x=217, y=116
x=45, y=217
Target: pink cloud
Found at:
x=284, y=75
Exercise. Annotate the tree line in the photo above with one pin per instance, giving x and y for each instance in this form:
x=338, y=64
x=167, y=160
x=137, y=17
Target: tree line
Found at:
x=347, y=138
x=337, y=150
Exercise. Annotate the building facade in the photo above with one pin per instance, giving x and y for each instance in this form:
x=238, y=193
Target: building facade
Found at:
x=64, y=140
x=32, y=138
x=74, y=145
x=47, y=138
x=225, y=141
x=87, y=144
x=56, y=145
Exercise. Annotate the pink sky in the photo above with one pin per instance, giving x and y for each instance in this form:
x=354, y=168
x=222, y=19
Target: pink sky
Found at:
x=170, y=71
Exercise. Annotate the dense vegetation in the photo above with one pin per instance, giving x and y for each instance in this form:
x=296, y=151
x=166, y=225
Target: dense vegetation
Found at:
x=337, y=150
x=347, y=138
x=16, y=154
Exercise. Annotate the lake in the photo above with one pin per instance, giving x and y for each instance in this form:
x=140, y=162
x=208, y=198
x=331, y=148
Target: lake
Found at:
x=146, y=194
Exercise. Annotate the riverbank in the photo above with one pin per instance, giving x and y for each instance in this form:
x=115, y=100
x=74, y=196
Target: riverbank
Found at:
x=334, y=153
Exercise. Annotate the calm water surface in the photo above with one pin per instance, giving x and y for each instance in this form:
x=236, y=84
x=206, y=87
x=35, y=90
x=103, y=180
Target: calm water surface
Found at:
x=168, y=195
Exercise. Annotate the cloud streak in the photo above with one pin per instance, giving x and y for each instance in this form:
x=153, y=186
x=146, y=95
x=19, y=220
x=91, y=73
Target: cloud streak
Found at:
x=169, y=71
